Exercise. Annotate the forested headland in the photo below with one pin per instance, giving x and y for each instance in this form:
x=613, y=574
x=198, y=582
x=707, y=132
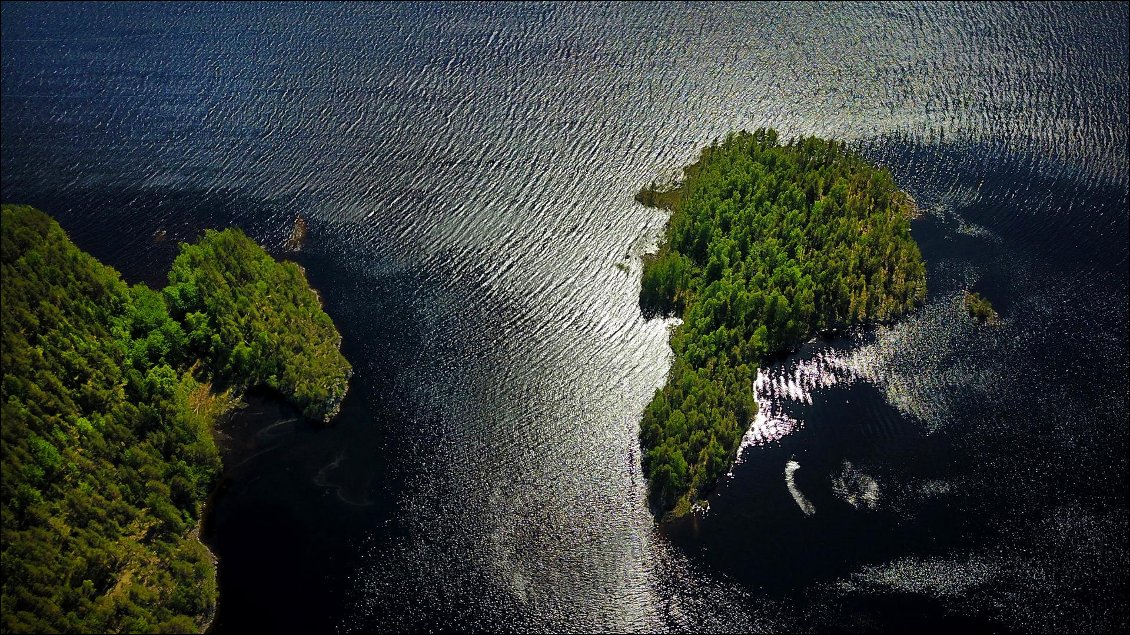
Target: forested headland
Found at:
x=109, y=395
x=767, y=245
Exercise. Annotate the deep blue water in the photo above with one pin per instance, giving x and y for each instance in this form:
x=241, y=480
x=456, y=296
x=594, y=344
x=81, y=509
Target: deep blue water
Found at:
x=468, y=173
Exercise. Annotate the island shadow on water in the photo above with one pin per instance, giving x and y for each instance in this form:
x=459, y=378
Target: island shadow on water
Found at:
x=252, y=522
x=138, y=231
x=290, y=490
x=299, y=500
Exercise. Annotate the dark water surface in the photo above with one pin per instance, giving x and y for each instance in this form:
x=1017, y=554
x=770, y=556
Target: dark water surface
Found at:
x=468, y=172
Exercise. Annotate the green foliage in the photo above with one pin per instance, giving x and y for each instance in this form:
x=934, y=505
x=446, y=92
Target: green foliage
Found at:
x=256, y=321
x=980, y=308
x=107, y=420
x=767, y=245
x=92, y=431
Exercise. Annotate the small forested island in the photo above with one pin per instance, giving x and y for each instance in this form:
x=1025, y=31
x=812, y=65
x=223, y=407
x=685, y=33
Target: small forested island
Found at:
x=109, y=396
x=766, y=246
x=980, y=309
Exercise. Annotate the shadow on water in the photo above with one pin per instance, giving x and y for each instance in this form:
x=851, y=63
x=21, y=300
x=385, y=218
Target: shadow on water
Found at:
x=138, y=230
x=988, y=197
x=265, y=521
x=297, y=498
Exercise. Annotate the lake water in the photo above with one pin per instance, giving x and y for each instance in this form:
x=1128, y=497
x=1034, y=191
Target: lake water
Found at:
x=467, y=172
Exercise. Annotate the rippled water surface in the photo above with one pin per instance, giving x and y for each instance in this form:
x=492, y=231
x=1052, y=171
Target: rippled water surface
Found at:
x=468, y=172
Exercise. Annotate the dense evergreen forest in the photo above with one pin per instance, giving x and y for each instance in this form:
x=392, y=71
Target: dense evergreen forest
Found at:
x=108, y=399
x=767, y=245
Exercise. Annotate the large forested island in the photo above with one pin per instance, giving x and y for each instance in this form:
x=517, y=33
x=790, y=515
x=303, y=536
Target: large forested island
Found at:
x=109, y=395
x=766, y=246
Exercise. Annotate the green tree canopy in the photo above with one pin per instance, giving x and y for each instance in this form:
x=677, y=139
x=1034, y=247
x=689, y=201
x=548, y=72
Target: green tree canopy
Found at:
x=107, y=415
x=767, y=245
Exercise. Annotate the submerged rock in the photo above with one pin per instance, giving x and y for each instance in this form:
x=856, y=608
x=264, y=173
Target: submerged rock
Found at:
x=297, y=234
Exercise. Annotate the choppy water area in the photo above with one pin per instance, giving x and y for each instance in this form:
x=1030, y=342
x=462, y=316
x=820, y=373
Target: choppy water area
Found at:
x=467, y=172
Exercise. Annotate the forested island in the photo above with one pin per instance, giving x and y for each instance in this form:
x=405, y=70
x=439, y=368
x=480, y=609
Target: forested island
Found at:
x=767, y=245
x=980, y=309
x=109, y=396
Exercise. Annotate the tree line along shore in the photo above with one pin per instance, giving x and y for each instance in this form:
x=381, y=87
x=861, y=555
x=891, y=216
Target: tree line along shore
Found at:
x=109, y=397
